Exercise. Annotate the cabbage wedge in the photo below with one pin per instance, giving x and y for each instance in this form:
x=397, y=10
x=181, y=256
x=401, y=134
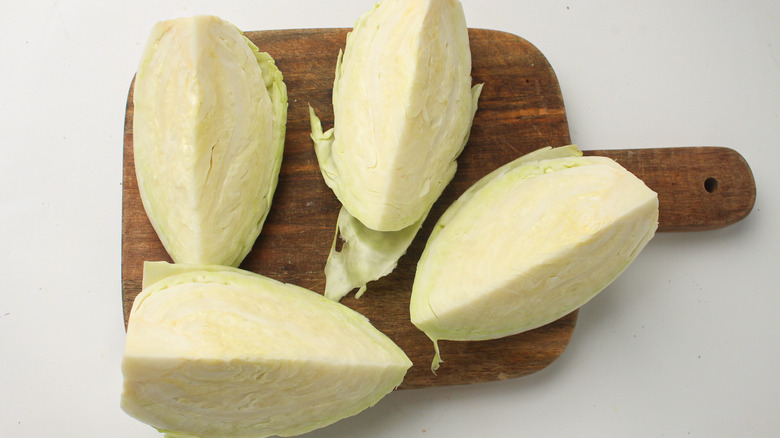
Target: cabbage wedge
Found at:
x=403, y=106
x=215, y=351
x=208, y=135
x=529, y=243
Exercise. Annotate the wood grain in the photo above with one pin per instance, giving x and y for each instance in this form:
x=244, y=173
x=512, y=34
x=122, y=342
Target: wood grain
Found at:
x=521, y=109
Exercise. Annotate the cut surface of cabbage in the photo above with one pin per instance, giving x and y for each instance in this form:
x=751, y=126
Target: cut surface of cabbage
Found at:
x=528, y=244
x=210, y=114
x=215, y=351
x=403, y=106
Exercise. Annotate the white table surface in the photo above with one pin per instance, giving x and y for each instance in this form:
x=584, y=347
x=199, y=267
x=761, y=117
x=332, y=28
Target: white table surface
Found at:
x=685, y=343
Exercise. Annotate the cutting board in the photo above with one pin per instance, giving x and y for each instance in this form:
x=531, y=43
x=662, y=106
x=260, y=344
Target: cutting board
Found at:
x=521, y=109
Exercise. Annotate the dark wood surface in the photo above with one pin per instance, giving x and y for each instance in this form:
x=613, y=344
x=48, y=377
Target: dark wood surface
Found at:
x=521, y=109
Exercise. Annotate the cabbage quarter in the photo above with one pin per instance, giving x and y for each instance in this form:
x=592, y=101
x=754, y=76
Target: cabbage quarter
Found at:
x=529, y=243
x=208, y=134
x=214, y=351
x=403, y=106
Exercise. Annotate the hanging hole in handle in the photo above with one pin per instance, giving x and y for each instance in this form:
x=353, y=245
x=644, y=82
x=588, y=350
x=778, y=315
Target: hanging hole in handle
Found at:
x=711, y=185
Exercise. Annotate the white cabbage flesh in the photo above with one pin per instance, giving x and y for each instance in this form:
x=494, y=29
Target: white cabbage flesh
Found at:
x=403, y=106
x=208, y=135
x=528, y=244
x=219, y=352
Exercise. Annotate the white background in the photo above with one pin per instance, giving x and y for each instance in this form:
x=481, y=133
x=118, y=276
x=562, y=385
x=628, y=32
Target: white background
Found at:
x=685, y=343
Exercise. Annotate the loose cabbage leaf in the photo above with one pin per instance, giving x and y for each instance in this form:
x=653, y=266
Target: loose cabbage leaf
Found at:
x=366, y=255
x=529, y=243
x=403, y=106
x=210, y=115
x=217, y=351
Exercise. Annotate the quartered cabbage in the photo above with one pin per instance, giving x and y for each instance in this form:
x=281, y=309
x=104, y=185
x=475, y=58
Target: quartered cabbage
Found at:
x=219, y=352
x=403, y=106
x=208, y=134
x=529, y=243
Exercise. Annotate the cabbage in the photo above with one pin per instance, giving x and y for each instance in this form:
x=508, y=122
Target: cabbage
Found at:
x=529, y=243
x=208, y=134
x=220, y=352
x=403, y=106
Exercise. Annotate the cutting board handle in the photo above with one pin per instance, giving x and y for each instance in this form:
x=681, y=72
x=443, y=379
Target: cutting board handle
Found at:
x=699, y=188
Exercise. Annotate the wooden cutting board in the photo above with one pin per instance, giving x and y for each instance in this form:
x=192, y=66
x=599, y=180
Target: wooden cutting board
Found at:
x=520, y=110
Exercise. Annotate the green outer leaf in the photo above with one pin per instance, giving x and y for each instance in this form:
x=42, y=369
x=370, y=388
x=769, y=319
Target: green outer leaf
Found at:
x=366, y=255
